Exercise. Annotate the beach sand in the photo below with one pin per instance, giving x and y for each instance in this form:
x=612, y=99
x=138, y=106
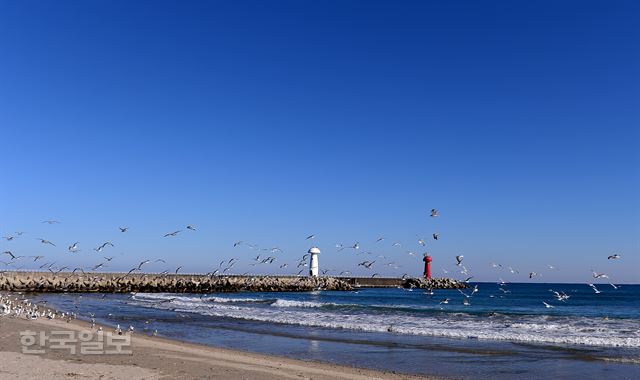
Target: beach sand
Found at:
x=155, y=358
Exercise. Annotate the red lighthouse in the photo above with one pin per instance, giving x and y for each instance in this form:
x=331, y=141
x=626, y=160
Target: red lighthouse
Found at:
x=427, y=266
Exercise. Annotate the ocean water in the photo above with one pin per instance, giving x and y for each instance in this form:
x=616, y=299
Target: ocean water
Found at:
x=503, y=332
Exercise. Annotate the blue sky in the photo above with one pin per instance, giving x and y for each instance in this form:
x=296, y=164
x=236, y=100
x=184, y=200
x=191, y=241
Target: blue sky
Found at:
x=270, y=121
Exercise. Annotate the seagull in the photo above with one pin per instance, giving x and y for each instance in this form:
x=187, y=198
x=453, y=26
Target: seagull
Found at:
x=190, y=227
x=123, y=229
x=10, y=254
x=613, y=257
x=367, y=264
x=547, y=305
x=467, y=279
x=344, y=272
x=436, y=236
x=421, y=242
x=44, y=241
x=375, y=274
x=160, y=261
x=595, y=289
x=178, y=268
x=615, y=287
x=174, y=233
x=459, y=259
x=445, y=301
x=142, y=263
x=283, y=266
x=108, y=258
x=598, y=275
x=237, y=243
x=396, y=244
x=434, y=212
x=50, y=221
x=97, y=266
x=310, y=237
x=380, y=239
x=560, y=296
x=532, y=274
x=74, y=247
x=8, y=238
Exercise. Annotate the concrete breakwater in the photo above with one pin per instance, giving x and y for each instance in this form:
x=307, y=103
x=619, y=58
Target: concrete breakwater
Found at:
x=154, y=283
x=47, y=282
x=411, y=282
x=434, y=283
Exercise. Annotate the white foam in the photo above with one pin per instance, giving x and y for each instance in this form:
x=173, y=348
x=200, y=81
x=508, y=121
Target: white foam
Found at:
x=533, y=329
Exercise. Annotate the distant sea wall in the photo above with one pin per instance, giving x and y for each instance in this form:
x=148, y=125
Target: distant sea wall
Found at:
x=47, y=282
x=382, y=282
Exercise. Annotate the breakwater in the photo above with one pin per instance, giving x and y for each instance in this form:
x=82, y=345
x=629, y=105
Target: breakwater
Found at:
x=154, y=283
x=390, y=282
x=165, y=283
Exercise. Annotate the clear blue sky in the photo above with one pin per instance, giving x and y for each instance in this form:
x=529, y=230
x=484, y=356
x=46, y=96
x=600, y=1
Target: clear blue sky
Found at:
x=268, y=121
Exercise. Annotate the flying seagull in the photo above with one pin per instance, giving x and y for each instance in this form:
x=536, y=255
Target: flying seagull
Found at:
x=459, y=259
x=595, y=289
x=434, y=212
x=50, y=221
x=123, y=229
x=598, y=275
x=613, y=257
x=310, y=237
x=190, y=227
x=44, y=241
x=547, y=305
x=174, y=233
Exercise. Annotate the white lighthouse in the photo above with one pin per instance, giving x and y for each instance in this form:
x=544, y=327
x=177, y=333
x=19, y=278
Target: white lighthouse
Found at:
x=313, y=267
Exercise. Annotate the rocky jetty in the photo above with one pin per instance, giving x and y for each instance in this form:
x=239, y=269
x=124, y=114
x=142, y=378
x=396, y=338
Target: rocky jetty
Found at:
x=433, y=283
x=123, y=283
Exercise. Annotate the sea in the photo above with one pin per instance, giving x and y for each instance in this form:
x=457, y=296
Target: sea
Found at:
x=498, y=331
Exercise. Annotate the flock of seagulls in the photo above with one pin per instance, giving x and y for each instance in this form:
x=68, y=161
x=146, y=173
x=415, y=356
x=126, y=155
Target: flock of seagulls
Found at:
x=268, y=256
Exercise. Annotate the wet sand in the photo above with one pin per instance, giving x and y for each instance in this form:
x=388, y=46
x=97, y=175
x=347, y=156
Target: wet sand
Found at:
x=155, y=358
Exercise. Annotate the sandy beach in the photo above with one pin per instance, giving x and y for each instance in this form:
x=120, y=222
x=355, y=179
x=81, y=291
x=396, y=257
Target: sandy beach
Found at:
x=154, y=358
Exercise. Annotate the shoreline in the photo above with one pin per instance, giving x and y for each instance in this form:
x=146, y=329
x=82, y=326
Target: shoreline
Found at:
x=156, y=357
